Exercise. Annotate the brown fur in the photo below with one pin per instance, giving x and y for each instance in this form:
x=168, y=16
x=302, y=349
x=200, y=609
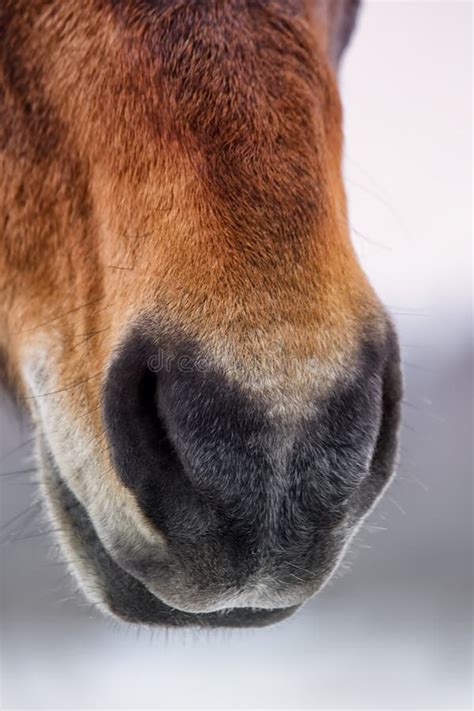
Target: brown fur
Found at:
x=173, y=166
x=182, y=162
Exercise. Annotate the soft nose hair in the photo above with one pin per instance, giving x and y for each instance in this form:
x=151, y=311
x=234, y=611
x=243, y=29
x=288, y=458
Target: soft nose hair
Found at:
x=179, y=439
x=189, y=446
x=140, y=447
x=203, y=457
x=239, y=496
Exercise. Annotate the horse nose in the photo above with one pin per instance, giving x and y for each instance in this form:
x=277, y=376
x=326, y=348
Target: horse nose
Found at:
x=242, y=497
x=139, y=429
x=179, y=438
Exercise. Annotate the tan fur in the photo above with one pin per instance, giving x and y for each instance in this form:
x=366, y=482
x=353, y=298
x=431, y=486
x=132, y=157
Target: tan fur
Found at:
x=144, y=172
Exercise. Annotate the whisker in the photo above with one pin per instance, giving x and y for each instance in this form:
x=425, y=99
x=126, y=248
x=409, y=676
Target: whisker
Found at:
x=38, y=534
x=19, y=472
x=61, y=390
x=26, y=517
x=17, y=449
x=303, y=570
x=382, y=201
x=397, y=505
x=63, y=315
x=370, y=240
x=32, y=508
x=89, y=336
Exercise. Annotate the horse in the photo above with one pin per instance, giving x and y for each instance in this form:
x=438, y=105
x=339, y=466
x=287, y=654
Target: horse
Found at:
x=214, y=385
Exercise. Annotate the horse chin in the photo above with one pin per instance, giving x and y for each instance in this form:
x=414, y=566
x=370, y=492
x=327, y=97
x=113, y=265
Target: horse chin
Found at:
x=109, y=586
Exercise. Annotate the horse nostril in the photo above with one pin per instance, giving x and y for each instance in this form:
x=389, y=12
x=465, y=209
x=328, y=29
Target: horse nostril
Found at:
x=140, y=448
x=236, y=493
x=151, y=420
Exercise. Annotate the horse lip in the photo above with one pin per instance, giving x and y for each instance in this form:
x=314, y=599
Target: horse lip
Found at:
x=121, y=594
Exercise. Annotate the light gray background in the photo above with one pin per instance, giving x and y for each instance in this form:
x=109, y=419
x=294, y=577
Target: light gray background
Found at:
x=394, y=628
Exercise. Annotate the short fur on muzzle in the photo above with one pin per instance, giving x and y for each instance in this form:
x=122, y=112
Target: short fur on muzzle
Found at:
x=214, y=383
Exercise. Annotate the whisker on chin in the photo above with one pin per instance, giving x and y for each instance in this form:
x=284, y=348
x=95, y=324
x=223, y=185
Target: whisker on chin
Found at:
x=19, y=472
x=39, y=534
x=64, y=389
x=26, y=517
x=16, y=449
x=33, y=508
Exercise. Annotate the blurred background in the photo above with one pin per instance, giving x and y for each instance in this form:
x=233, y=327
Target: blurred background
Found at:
x=393, y=630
